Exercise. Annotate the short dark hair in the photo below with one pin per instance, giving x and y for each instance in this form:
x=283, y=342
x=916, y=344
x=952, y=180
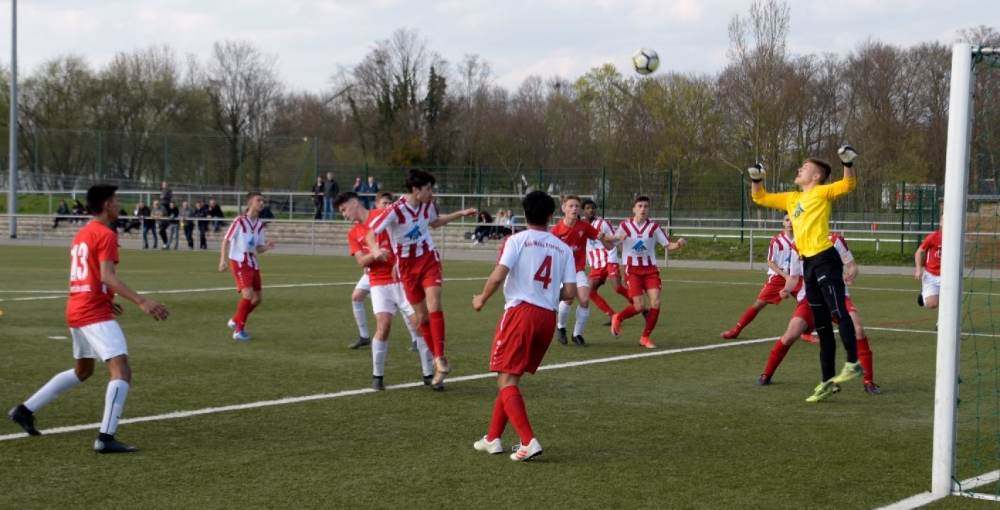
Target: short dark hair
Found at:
x=823, y=165
x=385, y=194
x=538, y=208
x=640, y=198
x=417, y=178
x=251, y=194
x=588, y=202
x=98, y=195
x=343, y=198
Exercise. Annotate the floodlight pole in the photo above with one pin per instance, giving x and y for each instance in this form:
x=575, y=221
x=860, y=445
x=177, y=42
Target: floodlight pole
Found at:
x=12, y=196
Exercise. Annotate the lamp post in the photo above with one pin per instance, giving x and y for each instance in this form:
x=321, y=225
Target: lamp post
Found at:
x=12, y=196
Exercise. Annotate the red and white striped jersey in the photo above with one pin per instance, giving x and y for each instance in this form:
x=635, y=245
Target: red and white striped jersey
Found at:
x=539, y=264
x=408, y=227
x=841, y=245
x=795, y=269
x=639, y=248
x=597, y=255
x=244, y=236
x=780, y=252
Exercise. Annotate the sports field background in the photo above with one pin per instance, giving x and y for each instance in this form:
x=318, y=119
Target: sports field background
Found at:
x=685, y=429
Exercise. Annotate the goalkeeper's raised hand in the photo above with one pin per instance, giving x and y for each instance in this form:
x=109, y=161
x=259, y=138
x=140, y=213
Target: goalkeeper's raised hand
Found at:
x=847, y=155
x=756, y=172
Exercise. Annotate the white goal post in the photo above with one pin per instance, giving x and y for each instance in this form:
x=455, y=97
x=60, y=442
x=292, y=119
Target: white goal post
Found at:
x=964, y=57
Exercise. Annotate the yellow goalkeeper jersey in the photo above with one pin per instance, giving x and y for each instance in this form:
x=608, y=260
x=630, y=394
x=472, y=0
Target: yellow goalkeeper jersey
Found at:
x=809, y=211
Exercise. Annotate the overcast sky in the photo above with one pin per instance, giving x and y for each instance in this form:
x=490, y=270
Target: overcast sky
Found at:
x=518, y=37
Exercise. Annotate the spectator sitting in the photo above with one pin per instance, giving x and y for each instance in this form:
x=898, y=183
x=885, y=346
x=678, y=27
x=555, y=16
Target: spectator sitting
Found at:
x=484, y=227
x=503, y=225
x=78, y=210
x=61, y=213
x=512, y=221
x=134, y=223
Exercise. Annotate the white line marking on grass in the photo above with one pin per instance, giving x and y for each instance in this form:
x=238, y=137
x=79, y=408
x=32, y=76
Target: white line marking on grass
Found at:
x=349, y=393
x=57, y=338
x=926, y=498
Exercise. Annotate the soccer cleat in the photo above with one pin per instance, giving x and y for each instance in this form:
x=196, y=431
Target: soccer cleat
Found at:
x=872, y=388
x=522, y=452
x=920, y=299
x=850, y=372
x=616, y=326
x=24, y=419
x=231, y=324
x=113, y=446
x=362, y=341
x=377, y=383
x=764, y=380
x=242, y=336
x=809, y=338
x=823, y=391
x=578, y=340
x=562, y=336
x=647, y=343
x=731, y=334
x=441, y=369
x=492, y=447
x=413, y=346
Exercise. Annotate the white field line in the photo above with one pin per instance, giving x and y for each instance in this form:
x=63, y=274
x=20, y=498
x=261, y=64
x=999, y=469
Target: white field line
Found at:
x=349, y=393
x=926, y=498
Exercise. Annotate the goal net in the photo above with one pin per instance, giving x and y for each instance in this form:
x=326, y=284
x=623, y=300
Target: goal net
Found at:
x=966, y=458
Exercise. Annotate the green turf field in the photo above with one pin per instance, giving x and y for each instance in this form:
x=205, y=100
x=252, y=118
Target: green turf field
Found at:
x=681, y=428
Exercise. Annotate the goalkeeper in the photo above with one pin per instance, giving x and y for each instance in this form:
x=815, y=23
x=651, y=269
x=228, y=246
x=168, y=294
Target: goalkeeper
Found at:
x=822, y=266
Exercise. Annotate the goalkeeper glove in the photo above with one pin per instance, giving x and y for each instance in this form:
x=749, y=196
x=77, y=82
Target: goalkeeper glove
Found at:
x=756, y=172
x=847, y=155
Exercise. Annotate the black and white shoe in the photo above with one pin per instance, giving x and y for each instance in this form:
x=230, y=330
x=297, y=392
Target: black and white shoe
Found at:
x=362, y=341
x=378, y=384
x=24, y=419
x=562, y=336
x=578, y=340
x=112, y=446
x=428, y=381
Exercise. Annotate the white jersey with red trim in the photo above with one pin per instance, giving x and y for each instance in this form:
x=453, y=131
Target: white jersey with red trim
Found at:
x=597, y=255
x=780, y=252
x=841, y=245
x=639, y=248
x=539, y=264
x=408, y=227
x=795, y=269
x=244, y=236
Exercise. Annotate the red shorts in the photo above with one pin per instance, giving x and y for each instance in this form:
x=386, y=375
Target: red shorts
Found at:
x=805, y=313
x=522, y=339
x=643, y=279
x=769, y=294
x=608, y=271
x=419, y=274
x=245, y=275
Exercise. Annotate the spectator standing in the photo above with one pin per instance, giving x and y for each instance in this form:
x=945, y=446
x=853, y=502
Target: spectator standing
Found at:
x=330, y=191
x=214, y=211
x=173, y=213
x=187, y=214
x=317, y=196
x=201, y=214
x=162, y=214
x=166, y=195
x=148, y=224
x=369, y=190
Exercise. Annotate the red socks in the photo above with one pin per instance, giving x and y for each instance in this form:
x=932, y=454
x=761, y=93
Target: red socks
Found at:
x=651, y=317
x=513, y=405
x=601, y=303
x=242, y=311
x=499, y=420
x=865, y=357
x=623, y=292
x=778, y=353
x=747, y=318
x=437, y=333
x=425, y=330
x=628, y=311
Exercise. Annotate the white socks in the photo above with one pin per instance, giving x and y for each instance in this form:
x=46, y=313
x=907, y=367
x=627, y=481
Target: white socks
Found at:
x=379, y=350
x=426, y=358
x=563, y=315
x=582, y=314
x=361, y=317
x=114, y=401
x=414, y=332
x=52, y=389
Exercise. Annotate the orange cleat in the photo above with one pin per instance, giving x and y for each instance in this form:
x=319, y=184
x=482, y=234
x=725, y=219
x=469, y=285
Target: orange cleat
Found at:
x=809, y=338
x=731, y=334
x=645, y=342
x=616, y=325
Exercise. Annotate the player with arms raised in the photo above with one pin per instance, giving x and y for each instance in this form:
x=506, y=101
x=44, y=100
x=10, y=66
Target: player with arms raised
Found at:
x=822, y=267
x=90, y=311
x=639, y=237
x=576, y=234
x=386, y=291
x=533, y=263
x=408, y=222
x=246, y=240
x=604, y=265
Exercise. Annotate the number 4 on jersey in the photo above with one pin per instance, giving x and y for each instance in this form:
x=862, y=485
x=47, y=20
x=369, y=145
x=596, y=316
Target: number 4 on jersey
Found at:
x=544, y=273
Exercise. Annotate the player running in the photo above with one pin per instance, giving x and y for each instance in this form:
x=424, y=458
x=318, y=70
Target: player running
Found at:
x=604, y=265
x=532, y=264
x=576, y=234
x=639, y=237
x=408, y=222
x=246, y=240
x=386, y=291
x=778, y=261
x=928, y=262
x=90, y=311
x=821, y=264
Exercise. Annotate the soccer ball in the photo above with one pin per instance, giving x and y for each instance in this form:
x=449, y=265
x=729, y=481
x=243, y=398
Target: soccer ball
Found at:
x=645, y=61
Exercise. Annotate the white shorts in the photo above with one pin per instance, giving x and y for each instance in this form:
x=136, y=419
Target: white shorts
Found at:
x=932, y=285
x=364, y=284
x=103, y=340
x=387, y=298
x=582, y=280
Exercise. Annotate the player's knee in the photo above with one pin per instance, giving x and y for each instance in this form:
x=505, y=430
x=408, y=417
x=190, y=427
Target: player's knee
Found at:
x=585, y=302
x=358, y=296
x=931, y=302
x=639, y=307
x=84, y=373
x=255, y=299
